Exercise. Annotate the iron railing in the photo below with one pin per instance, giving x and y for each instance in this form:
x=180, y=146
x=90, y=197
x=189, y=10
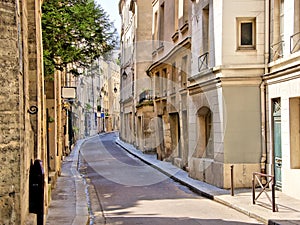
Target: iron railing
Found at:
x=263, y=188
x=295, y=42
x=277, y=50
x=145, y=95
x=203, y=62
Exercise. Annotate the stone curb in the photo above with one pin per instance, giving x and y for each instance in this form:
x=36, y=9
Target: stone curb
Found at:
x=82, y=214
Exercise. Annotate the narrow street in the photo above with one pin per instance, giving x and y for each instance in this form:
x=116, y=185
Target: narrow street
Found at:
x=124, y=190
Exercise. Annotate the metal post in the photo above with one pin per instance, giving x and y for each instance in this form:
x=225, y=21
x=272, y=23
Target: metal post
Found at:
x=232, y=183
x=273, y=197
x=253, y=189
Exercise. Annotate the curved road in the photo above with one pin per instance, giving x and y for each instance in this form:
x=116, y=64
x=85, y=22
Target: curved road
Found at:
x=124, y=190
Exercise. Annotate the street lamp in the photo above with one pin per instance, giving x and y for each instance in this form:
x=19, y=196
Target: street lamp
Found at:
x=124, y=75
x=81, y=83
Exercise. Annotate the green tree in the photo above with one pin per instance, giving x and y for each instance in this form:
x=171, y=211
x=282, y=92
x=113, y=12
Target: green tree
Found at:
x=75, y=32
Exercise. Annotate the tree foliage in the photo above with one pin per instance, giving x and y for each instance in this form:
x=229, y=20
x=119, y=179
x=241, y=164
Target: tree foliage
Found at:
x=75, y=32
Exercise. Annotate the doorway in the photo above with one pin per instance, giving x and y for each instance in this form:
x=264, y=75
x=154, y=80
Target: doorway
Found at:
x=277, y=159
x=175, y=134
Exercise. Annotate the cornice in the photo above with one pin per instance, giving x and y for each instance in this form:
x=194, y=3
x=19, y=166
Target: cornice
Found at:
x=184, y=42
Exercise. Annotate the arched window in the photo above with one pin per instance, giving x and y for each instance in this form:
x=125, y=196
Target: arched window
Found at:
x=204, y=147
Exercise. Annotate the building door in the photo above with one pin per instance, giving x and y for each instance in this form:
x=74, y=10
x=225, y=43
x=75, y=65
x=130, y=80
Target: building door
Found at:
x=160, y=138
x=175, y=134
x=139, y=133
x=277, y=142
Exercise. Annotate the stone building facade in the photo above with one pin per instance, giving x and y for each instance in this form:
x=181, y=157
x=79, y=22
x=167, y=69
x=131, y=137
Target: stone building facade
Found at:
x=171, y=55
x=23, y=114
x=224, y=91
x=136, y=107
x=281, y=85
x=97, y=107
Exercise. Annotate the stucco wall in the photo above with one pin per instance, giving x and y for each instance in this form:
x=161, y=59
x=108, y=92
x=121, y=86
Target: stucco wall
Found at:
x=242, y=130
x=231, y=11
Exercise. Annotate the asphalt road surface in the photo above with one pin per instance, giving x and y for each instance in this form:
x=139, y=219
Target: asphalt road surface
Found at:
x=123, y=190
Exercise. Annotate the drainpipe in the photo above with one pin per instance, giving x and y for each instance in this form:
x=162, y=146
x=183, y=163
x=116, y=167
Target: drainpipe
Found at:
x=263, y=90
x=263, y=159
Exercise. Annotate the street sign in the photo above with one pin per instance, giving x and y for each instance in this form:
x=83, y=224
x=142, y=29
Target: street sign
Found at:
x=68, y=92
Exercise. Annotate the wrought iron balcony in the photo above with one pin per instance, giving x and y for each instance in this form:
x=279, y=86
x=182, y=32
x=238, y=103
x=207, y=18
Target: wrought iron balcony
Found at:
x=277, y=50
x=203, y=62
x=295, y=42
x=145, y=95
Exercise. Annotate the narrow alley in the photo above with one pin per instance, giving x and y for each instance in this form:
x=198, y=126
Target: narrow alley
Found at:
x=124, y=190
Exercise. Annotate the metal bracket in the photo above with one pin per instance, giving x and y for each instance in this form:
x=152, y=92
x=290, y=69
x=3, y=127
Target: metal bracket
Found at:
x=33, y=110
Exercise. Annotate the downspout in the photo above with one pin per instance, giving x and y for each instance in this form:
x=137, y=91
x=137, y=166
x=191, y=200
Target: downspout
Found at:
x=263, y=160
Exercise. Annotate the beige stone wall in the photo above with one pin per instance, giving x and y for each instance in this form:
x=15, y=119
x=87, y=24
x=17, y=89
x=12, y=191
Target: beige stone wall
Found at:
x=229, y=87
x=12, y=114
x=145, y=127
x=242, y=141
x=136, y=45
x=20, y=132
x=233, y=143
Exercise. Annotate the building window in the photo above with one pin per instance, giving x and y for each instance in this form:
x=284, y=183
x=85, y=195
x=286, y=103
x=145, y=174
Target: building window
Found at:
x=176, y=15
x=281, y=15
x=164, y=82
x=182, y=12
x=183, y=72
x=157, y=84
x=205, y=29
x=173, y=79
x=161, y=24
x=295, y=133
x=246, y=33
x=295, y=38
x=155, y=31
x=277, y=29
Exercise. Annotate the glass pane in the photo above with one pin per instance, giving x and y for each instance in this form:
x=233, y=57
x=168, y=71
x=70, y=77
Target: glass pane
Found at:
x=246, y=34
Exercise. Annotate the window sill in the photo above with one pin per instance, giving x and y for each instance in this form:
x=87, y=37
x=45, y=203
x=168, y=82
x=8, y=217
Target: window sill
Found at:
x=240, y=48
x=175, y=36
x=184, y=27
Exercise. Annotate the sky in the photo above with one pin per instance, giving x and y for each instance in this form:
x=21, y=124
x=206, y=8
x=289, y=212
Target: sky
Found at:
x=112, y=9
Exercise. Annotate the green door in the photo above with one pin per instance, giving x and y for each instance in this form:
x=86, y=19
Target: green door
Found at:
x=277, y=144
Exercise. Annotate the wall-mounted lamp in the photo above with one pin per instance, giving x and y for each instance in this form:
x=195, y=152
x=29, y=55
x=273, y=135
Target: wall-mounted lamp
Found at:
x=81, y=83
x=115, y=90
x=124, y=75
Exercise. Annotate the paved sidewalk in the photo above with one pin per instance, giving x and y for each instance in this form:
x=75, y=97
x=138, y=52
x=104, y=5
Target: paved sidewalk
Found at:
x=288, y=208
x=69, y=203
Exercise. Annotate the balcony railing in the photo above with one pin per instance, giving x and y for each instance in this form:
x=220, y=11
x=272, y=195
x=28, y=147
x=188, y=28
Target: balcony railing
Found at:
x=295, y=42
x=145, y=95
x=277, y=50
x=203, y=62
x=264, y=188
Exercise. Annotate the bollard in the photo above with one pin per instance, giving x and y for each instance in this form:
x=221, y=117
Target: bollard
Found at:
x=273, y=197
x=232, y=185
x=253, y=188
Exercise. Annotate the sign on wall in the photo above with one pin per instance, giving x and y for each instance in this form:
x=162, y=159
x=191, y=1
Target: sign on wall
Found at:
x=68, y=92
